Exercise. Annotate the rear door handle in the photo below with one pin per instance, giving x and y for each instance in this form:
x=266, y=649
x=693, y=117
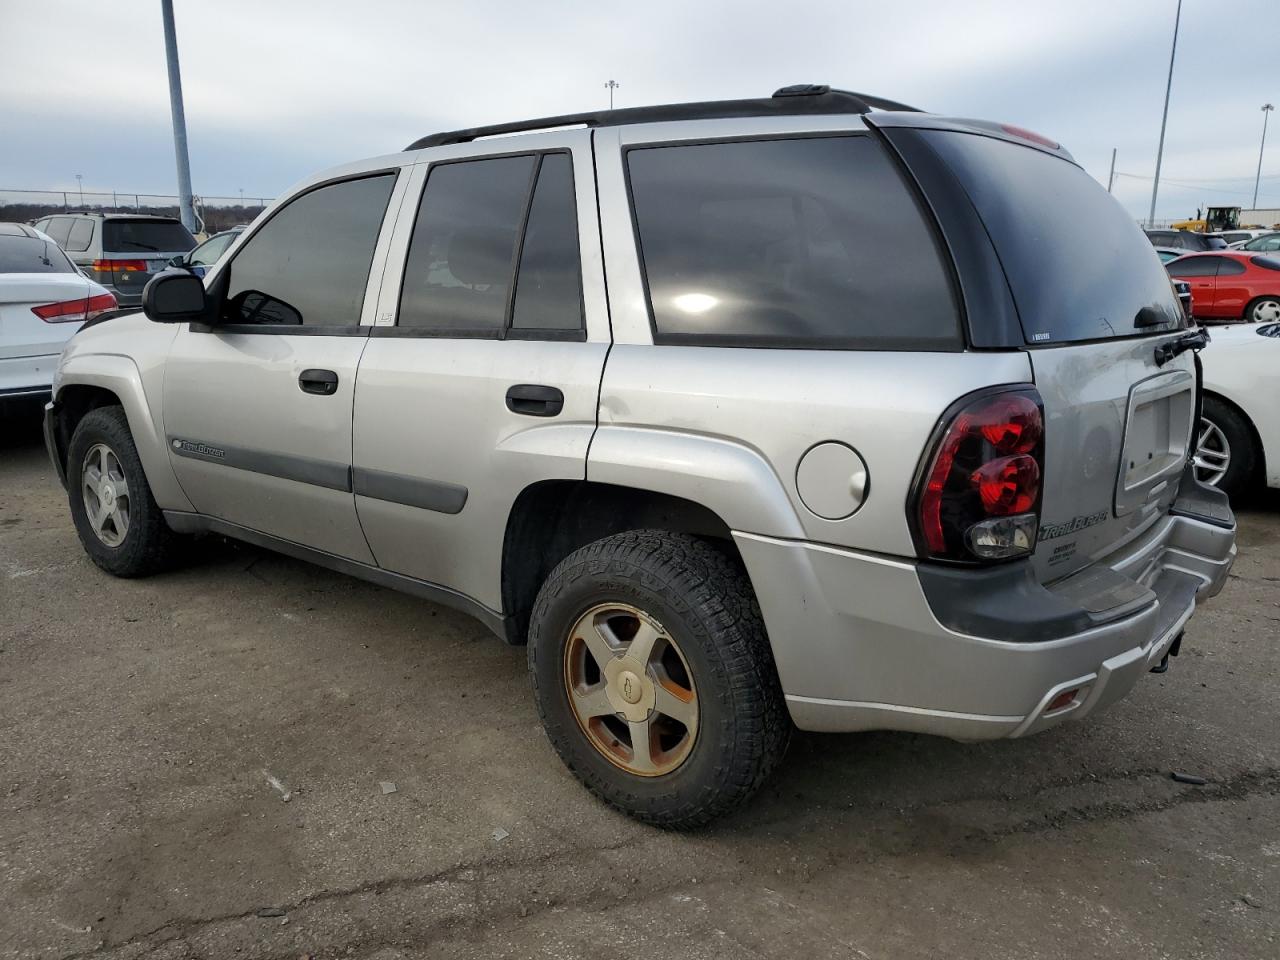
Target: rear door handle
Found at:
x=321, y=382
x=535, y=400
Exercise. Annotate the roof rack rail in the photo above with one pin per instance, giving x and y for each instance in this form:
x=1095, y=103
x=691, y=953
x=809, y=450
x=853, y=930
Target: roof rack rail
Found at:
x=803, y=98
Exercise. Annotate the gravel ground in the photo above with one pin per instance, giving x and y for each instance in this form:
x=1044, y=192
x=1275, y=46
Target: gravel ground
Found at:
x=181, y=755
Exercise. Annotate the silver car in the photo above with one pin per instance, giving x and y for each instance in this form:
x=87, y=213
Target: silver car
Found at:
x=812, y=410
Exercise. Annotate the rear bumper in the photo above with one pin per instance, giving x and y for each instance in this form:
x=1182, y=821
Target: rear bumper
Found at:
x=27, y=376
x=859, y=645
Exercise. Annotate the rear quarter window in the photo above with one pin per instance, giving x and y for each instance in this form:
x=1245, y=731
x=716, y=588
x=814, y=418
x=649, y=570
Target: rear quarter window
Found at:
x=809, y=242
x=1078, y=266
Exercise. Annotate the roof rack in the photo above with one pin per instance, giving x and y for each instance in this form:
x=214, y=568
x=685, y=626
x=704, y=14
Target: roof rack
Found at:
x=803, y=98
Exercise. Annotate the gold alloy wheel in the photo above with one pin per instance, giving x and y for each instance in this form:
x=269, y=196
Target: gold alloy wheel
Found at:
x=631, y=690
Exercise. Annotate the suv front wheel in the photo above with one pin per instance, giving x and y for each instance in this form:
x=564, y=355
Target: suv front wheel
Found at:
x=654, y=677
x=121, y=527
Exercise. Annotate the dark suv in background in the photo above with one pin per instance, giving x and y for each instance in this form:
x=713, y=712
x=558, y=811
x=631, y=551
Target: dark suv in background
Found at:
x=120, y=251
x=1185, y=240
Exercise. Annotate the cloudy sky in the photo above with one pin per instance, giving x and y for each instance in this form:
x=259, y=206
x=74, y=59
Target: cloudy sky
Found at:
x=276, y=90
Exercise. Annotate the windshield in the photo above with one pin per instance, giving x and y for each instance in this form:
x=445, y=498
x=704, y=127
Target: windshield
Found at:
x=168, y=236
x=1078, y=265
x=1270, y=241
x=32, y=255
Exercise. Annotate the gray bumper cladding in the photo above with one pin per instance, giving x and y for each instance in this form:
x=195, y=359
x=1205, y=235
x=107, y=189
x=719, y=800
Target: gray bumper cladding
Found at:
x=859, y=646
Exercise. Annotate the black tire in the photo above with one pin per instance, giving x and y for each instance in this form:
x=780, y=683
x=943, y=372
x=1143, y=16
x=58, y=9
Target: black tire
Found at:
x=703, y=599
x=1241, y=467
x=148, y=546
x=1271, y=300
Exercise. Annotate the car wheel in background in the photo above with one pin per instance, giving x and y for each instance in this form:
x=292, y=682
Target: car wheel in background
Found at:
x=654, y=677
x=1263, y=310
x=1225, y=452
x=120, y=525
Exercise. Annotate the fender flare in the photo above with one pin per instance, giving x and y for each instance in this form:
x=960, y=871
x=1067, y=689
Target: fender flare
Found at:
x=119, y=375
x=731, y=479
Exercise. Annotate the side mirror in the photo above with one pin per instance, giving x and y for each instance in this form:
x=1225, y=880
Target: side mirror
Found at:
x=174, y=297
x=178, y=260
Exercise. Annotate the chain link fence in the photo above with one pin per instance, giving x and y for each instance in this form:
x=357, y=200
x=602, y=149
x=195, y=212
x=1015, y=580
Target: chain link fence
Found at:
x=216, y=213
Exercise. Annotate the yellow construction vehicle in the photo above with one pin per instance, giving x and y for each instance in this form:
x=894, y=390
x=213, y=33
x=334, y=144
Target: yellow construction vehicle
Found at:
x=1214, y=219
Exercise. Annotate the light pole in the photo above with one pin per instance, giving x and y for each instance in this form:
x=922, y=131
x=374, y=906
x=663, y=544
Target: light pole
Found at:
x=611, y=85
x=185, y=209
x=1155, y=186
x=1266, y=109
x=80, y=187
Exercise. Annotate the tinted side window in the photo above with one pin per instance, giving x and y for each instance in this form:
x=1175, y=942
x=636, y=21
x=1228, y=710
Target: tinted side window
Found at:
x=81, y=233
x=549, y=283
x=1229, y=268
x=58, y=229
x=462, y=252
x=309, y=263
x=812, y=242
x=1194, y=267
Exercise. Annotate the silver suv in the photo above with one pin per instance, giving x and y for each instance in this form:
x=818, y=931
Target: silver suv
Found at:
x=811, y=410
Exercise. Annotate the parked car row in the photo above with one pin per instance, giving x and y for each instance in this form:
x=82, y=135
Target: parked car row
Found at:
x=119, y=251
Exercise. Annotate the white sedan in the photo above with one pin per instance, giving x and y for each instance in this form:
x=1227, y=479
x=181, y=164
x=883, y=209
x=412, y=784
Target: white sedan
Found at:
x=1238, y=445
x=44, y=299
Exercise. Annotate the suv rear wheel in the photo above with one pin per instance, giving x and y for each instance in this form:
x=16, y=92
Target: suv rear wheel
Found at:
x=120, y=525
x=654, y=677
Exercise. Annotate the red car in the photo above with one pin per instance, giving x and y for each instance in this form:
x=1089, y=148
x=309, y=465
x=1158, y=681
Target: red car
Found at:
x=1231, y=285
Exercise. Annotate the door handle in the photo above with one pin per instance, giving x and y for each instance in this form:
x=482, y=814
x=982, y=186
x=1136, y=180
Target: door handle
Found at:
x=535, y=400
x=321, y=382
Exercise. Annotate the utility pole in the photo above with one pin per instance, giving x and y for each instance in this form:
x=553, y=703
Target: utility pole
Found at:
x=185, y=209
x=1111, y=177
x=1266, y=109
x=611, y=85
x=1155, y=186
x=80, y=187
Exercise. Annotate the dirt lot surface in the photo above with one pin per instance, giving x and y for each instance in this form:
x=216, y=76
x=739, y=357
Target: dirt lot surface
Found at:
x=150, y=731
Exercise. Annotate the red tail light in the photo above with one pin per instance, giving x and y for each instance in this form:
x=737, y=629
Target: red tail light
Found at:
x=120, y=266
x=979, y=496
x=84, y=308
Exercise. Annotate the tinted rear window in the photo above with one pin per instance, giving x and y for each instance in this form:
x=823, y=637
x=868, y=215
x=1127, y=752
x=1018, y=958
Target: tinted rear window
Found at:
x=813, y=242
x=1078, y=266
x=167, y=236
x=27, y=255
